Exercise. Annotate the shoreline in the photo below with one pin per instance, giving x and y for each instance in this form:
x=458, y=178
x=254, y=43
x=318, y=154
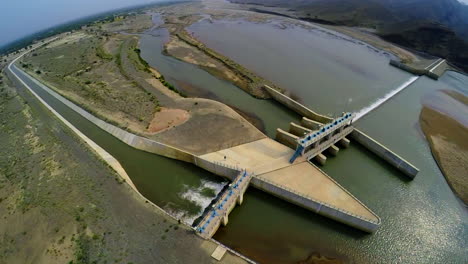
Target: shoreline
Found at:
x=446, y=139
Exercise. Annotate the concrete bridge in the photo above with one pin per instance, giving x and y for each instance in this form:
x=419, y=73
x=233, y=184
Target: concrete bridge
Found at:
x=219, y=212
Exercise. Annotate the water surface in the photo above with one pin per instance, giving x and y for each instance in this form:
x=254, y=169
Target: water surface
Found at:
x=330, y=73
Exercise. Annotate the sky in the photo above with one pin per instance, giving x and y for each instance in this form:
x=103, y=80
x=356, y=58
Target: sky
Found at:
x=19, y=18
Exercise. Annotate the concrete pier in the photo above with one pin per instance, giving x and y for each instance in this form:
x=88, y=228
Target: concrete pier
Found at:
x=321, y=159
x=286, y=138
x=298, y=130
x=344, y=142
x=333, y=150
x=310, y=124
x=384, y=153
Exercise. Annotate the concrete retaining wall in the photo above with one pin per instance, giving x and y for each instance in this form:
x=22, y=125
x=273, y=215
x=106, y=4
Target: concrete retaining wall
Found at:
x=133, y=140
x=407, y=68
x=296, y=106
x=310, y=124
x=286, y=138
x=218, y=168
x=313, y=205
x=384, y=153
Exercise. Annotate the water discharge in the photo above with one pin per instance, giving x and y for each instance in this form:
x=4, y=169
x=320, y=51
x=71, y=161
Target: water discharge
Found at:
x=201, y=196
x=364, y=111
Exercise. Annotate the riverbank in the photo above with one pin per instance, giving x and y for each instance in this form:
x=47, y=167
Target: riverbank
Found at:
x=449, y=145
x=182, y=45
x=60, y=203
x=366, y=35
x=103, y=72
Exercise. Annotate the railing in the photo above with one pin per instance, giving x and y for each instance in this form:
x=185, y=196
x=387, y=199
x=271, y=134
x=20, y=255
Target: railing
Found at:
x=296, y=154
x=313, y=152
x=221, y=208
x=326, y=130
x=323, y=203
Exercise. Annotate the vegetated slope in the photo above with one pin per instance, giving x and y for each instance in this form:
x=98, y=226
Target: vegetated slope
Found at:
x=450, y=13
x=432, y=38
x=438, y=27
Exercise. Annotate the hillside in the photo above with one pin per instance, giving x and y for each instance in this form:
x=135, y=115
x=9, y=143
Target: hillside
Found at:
x=431, y=38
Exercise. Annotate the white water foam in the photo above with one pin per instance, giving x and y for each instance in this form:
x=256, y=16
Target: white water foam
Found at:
x=383, y=99
x=194, y=195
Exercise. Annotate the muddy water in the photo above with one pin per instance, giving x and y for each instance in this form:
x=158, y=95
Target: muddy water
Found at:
x=196, y=82
x=324, y=70
x=422, y=220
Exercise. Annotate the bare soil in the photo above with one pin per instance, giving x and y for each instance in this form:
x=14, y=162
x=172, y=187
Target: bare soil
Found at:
x=167, y=118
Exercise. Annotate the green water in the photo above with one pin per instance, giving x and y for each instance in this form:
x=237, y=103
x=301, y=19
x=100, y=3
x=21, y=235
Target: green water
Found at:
x=174, y=185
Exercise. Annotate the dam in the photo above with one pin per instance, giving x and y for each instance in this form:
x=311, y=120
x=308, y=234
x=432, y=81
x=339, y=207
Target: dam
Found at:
x=281, y=168
x=268, y=164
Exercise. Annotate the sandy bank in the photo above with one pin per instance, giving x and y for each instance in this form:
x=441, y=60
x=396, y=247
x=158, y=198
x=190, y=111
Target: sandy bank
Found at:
x=449, y=145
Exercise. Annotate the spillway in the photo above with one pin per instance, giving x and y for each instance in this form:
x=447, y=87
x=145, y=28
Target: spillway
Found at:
x=364, y=111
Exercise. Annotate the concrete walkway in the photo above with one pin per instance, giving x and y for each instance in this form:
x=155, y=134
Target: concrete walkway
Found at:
x=269, y=161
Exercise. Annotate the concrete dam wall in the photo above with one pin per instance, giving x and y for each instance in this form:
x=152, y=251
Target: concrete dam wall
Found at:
x=378, y=149
x=318, y=207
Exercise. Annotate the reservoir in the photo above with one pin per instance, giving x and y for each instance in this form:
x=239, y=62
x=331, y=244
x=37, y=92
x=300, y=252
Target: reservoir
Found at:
x=422, y=221
x=328, y=72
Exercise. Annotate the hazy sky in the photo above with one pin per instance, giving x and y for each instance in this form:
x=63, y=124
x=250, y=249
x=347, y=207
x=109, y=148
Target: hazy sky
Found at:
x=19, y=18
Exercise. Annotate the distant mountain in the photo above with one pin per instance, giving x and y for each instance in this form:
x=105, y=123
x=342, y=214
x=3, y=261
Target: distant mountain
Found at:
x=432, y=38
x=438, y=27
x=376, y=13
